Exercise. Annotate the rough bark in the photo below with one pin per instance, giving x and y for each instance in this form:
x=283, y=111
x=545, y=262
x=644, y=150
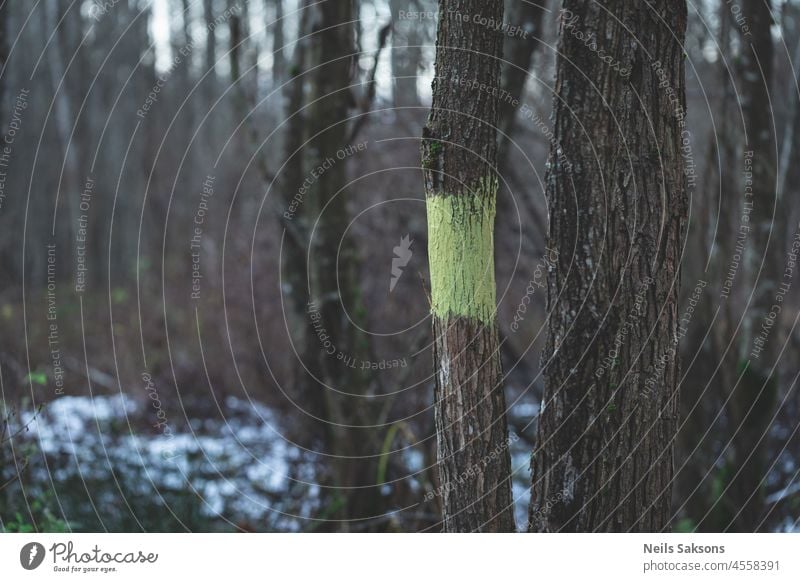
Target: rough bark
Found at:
x=459, y=153
x=617, y=202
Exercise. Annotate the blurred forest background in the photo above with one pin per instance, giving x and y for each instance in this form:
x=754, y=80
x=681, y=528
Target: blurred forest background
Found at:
x=163, y=210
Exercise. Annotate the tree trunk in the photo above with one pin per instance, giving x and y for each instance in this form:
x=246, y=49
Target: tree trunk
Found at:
x=293, y=175
x=617, y=203
x=278, y=57
x=60, y=23
x=4, y=10
x=211, y=38
x=459, y=151
x=238, y=35
x=753, y=397
x=8, y=266
x=705, y=383
x=236, y=41
x=518, y=55
x=332, y=271
x=405, y=58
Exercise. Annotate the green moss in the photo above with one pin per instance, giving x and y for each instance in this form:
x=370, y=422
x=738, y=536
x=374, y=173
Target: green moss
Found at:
x=461, y=253
x=431, y=151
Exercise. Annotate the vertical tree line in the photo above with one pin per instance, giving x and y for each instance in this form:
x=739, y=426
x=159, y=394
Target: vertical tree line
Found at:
x=754, y=389
x=459, y=156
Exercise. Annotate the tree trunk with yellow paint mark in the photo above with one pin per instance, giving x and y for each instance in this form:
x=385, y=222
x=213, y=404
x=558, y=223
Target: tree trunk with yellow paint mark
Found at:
x=617, y=198
x=459, y=152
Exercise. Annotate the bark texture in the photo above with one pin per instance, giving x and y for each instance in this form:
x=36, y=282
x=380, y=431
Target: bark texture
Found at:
x=617, y=203
x=459, y=152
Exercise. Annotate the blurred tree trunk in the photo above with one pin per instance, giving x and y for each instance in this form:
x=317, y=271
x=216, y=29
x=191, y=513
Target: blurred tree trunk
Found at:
x=186, y=20
x=64, y=119
x=756, y=66
x=405, y=57
x=185, y=43
x=236, y=47
x=134, y=33
x=752, y=402
x=518, y=56
x=278, y=57
x=182, y=40
x=459, y=151
x=618, y=205
x=790, y=148
x=705, y=381
x=7, y=260
x=332, y=268
x=4, y=10
x=296, y=226
x=211, y=39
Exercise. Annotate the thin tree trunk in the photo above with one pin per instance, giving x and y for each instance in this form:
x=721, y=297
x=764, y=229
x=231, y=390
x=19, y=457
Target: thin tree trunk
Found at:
x=8, y=266
x=459, y=152
x=238, y=35
x=4, y=11
x=617, y=200
x=753, y=398
x=278, y=58
x=235, y=38
x=296, y=222
x=518, y=55
x=64, y=120
x=705, y=384
x=405, y=58
x=332, y=269
x=211, y=37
